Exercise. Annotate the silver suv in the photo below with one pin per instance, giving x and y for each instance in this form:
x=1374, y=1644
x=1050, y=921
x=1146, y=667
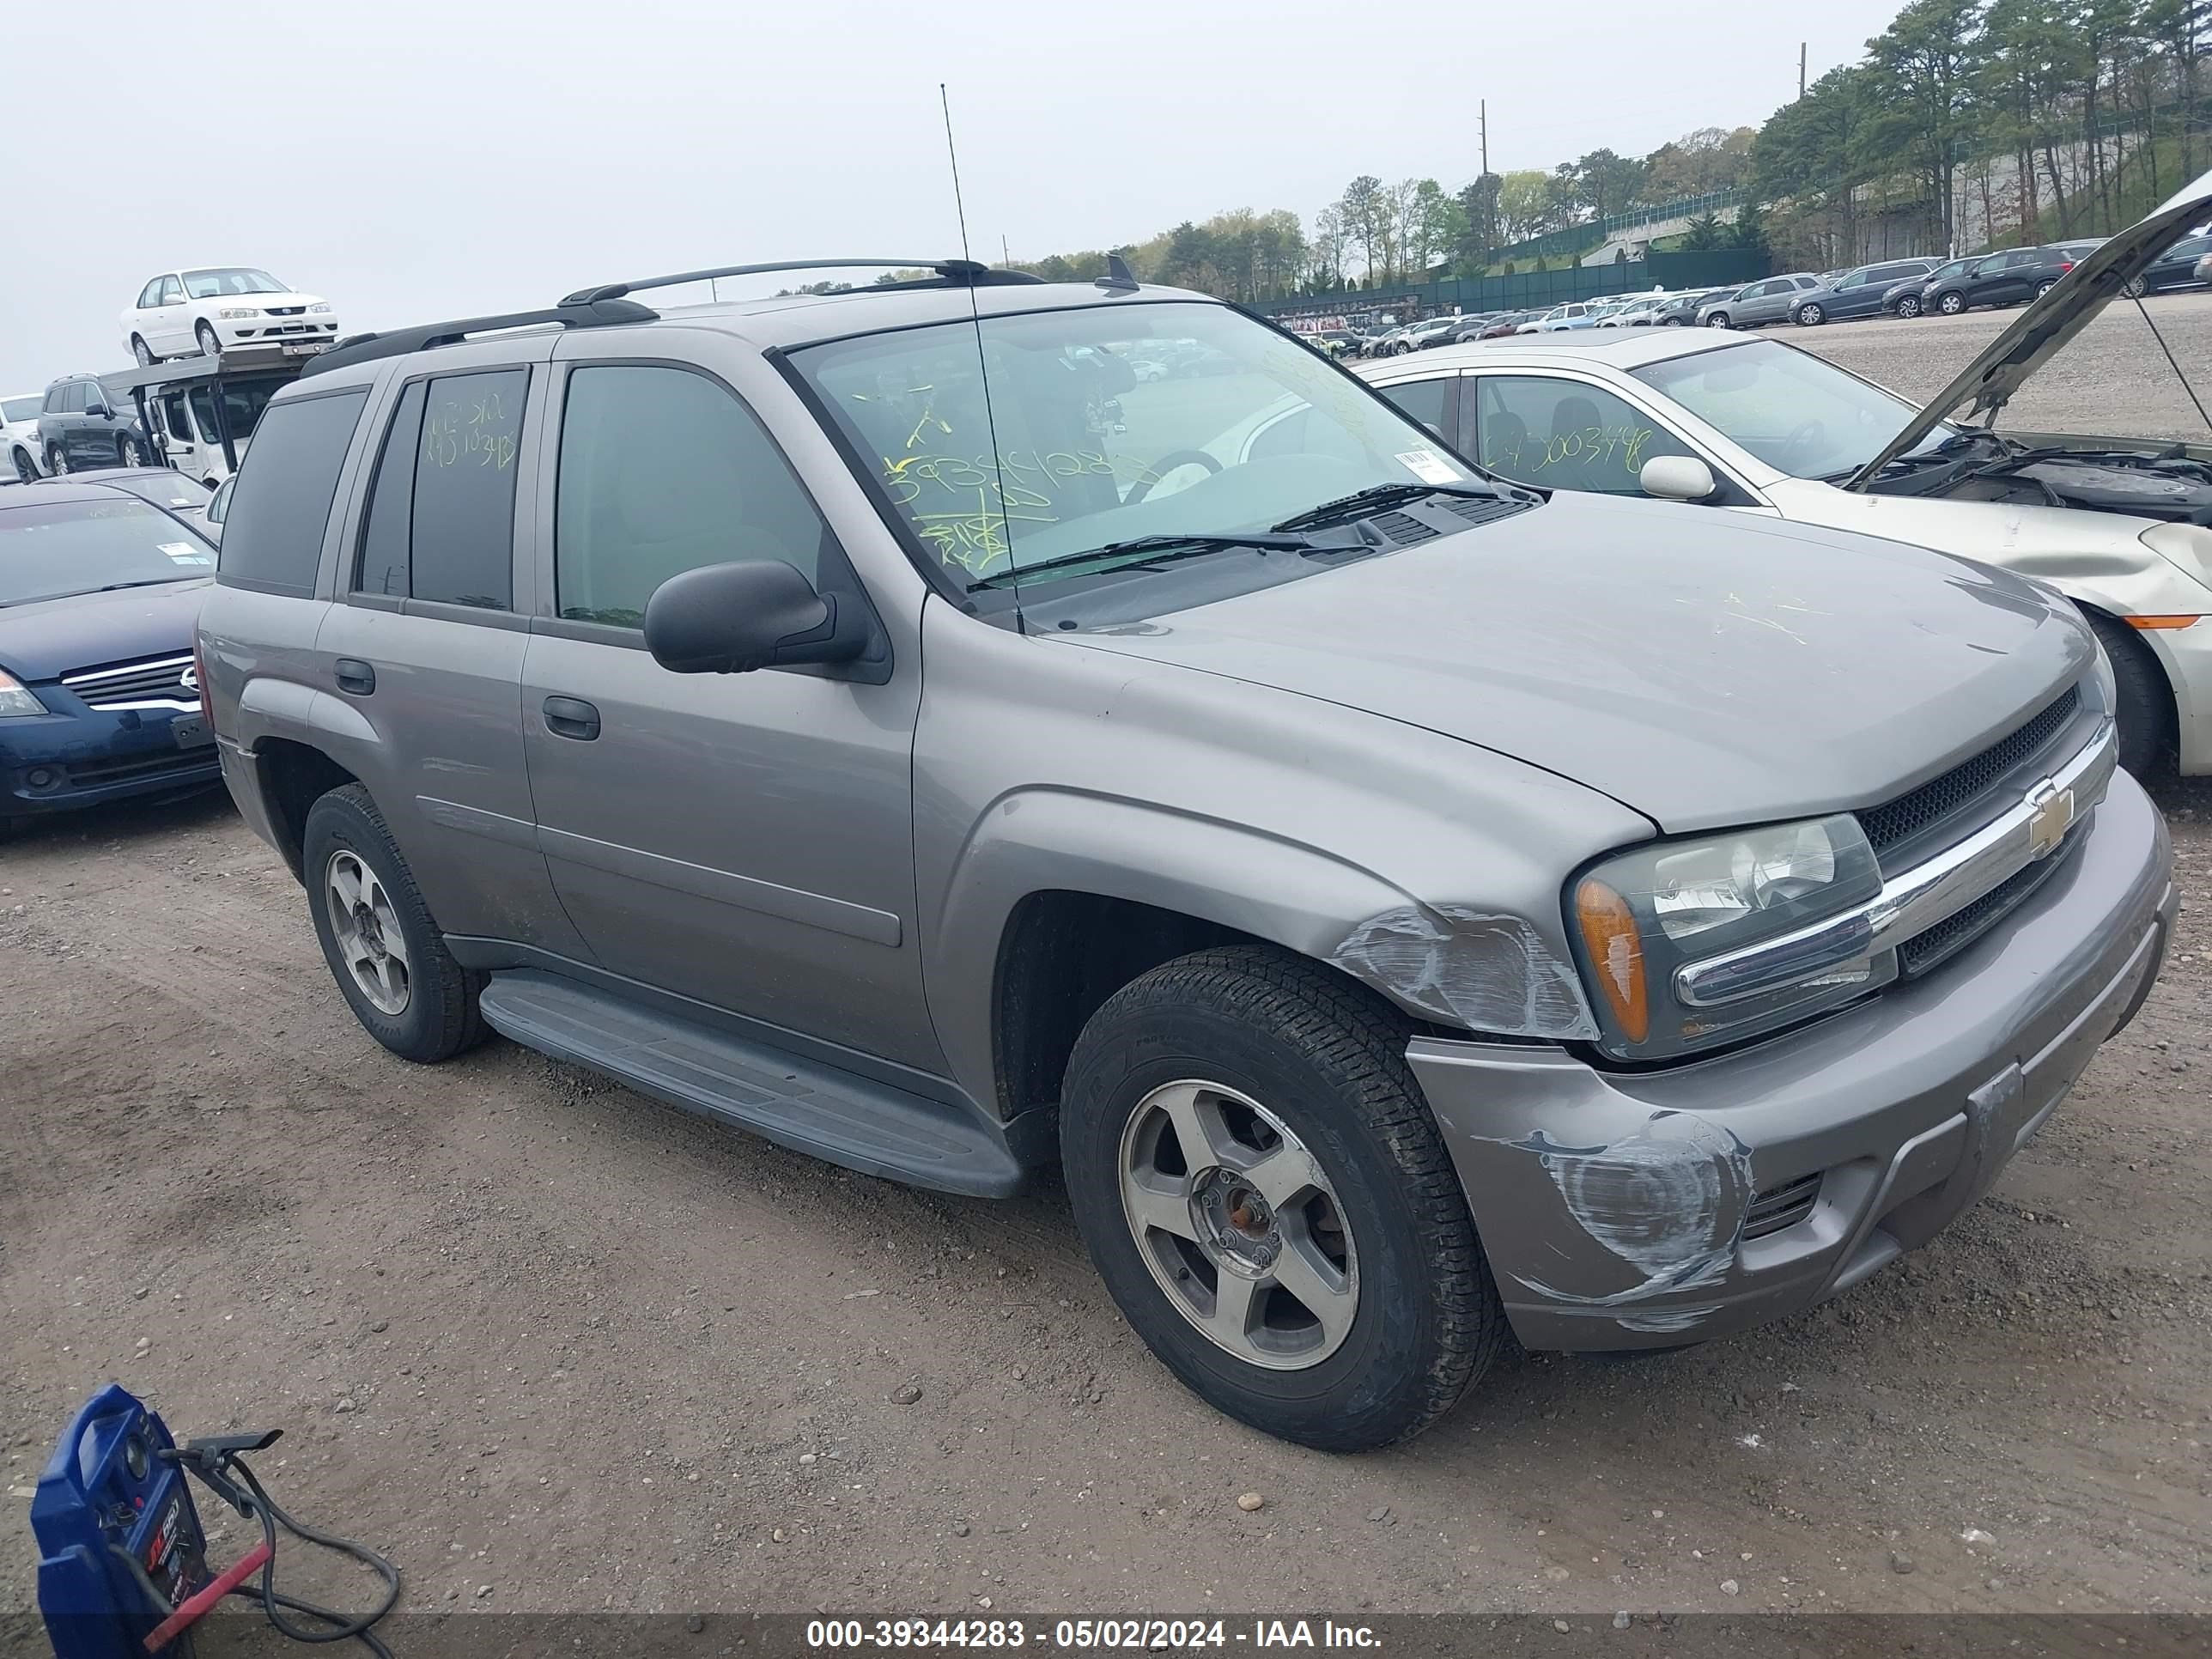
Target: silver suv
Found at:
x=1405, y=905
x=1756, y=304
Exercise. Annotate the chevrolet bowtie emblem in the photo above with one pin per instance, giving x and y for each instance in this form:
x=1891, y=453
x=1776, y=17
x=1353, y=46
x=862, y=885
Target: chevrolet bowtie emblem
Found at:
x=2051, y=816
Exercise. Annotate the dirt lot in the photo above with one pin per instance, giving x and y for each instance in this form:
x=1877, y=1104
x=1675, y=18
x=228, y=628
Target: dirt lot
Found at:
x=554, y=1346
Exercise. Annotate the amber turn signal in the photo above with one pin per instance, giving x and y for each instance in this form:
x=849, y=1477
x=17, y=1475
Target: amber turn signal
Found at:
x=1616, y=950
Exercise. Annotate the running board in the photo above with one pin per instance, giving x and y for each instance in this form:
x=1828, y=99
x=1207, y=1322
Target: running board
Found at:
x=877, y=1128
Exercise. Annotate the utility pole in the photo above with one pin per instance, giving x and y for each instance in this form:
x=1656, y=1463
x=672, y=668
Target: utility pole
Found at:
x=1004, y=258
x=1482, y=117
x=1801, y=68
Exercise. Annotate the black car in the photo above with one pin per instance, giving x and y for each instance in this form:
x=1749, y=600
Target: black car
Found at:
x=2010, y=276
x=1857, y=293
x=83, y=425
x=2175, y=268
x=98, y=698
x=1681, y=311
x=1909, y=298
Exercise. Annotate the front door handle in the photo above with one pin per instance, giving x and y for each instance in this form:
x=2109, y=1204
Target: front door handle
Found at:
x=354, y=676
x=572, y=717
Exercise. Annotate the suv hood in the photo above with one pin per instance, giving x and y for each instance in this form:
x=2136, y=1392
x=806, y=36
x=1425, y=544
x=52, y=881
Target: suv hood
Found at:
x=48, y=638
x=2045, y=325
x=1705, y=669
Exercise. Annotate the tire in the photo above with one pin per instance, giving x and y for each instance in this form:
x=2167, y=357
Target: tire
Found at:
x=1951, y=304
x=126, y=450
x=57, y=460
x=1718, y=319
x=142, y=352
x=1909, y=305
x=26, y=469
x=2136, y=287
x=203, y=334
x=436, y=1016
x=2145, y=710
x=1811, y=316
x=2043, y=289
x=1278, y=1053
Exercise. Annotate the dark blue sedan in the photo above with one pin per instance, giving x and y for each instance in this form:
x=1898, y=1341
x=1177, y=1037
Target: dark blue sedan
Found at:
x=98, y=696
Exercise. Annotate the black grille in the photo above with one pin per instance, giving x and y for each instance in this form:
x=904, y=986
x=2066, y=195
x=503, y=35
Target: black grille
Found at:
x=1781, y=1207
x=1957, y=931
x=138, y=767
x=161, y=680
x=1898, y=821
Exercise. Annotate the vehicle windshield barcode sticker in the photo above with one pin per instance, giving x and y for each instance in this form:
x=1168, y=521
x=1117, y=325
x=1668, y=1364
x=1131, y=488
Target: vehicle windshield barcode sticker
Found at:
x=1430, y=467
x=184, y=553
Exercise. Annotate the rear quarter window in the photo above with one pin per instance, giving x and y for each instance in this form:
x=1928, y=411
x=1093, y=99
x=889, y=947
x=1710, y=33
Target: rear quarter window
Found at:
x=273, y=533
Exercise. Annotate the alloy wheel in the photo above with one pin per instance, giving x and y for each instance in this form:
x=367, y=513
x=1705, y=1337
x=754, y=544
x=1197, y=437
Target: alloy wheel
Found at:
x=1951, y=304
x=1908, y=306
x=138, y=349
x=365, y=927
x=57, y=461
x=27, y=471
x=1238, y=1224
x=127, y=451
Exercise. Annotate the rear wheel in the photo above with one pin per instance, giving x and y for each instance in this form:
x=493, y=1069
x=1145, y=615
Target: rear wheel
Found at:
x=126, y=450
x=57, y=459
x=1264, y=1192
x=2042, y=289
x=2145, y=710
x=386, y=954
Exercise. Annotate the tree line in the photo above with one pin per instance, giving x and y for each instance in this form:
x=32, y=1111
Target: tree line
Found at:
x=1966, y=124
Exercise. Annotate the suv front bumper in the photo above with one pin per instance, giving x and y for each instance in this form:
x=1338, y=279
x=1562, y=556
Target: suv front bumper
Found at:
x=1631, y=1210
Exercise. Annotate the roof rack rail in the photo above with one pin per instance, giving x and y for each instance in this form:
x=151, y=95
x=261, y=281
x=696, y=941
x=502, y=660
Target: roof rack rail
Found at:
x=965, y=273
x=370, y=347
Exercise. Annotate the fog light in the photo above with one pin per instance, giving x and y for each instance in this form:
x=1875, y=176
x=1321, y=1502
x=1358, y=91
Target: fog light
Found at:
x=41, y=777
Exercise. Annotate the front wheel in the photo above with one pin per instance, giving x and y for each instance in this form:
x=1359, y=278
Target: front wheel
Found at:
x=386, y=953
x=1718, y=319
x=1909, y=305
x=1951, y=304
x=142, y=352
x=2136, y=287
x=203, y=334
x=26, y=469
x=2145, y=702
x=1262, y=1187
x=1811, y=316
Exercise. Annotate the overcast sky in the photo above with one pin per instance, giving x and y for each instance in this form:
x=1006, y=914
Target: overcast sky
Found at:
x=412, y=160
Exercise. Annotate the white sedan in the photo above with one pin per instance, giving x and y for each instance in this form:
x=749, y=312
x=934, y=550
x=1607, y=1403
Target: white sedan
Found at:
x=20, y=455
x=212, y=309
x=2123, y=527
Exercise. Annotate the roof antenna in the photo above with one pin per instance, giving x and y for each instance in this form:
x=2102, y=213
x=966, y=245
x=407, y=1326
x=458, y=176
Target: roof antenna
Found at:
x=1118, y=279
x=983, y=368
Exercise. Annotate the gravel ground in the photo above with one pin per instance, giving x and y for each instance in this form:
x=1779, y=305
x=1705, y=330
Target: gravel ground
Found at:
x=555, y=1348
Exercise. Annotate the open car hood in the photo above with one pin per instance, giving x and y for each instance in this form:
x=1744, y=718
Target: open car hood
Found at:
x=2036, y=335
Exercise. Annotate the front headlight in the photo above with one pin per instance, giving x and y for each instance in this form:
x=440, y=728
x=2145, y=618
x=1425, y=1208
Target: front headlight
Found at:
x=236, y=314
x=1641, y=917
x=319, y=308
x=15, y=698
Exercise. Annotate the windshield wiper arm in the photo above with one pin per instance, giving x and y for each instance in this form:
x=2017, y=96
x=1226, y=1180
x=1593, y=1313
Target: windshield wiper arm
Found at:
x=1379, y=496
x=1153, y=549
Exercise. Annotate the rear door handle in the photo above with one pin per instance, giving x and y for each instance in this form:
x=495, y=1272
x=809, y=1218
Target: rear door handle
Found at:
x=354, y=676
x=572, y=717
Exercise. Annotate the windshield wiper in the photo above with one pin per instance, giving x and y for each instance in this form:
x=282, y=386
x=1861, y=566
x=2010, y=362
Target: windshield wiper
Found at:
x=1378, y=496
x=1153, y=549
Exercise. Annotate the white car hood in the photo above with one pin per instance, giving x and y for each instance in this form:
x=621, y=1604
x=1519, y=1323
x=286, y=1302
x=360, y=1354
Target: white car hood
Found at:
x=2039, y=333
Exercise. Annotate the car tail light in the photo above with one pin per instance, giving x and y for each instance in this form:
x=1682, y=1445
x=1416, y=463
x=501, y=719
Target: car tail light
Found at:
x=2065, y=265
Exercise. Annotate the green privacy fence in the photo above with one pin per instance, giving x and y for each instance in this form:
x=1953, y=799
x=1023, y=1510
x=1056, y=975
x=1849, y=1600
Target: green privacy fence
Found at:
x=1527, y=289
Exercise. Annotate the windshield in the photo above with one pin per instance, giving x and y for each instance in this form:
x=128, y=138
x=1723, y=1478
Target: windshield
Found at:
x=242, y=403
x=164, y=489
x=219, y=284
x=60, y=548
x=1798, y=413
x=1071, y=451
x=20, y=409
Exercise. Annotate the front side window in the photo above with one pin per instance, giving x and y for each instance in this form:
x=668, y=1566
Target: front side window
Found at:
x=172, y=292
x=273, y=538
x=1071, y=452
x=230, y=281
x=663, y=470
x=1565, y=434
x=1798, y=413
x=55, y=549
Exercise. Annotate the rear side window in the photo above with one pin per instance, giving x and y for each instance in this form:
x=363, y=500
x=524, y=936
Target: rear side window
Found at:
x=462, y=549
x=273, y=535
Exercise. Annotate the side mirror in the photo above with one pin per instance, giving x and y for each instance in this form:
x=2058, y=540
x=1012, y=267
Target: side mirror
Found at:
x=734, y=618
x=94, y=406
x=1677, y=478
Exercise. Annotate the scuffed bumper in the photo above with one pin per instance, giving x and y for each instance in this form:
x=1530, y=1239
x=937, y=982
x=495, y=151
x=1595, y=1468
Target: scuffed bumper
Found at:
x=1613, y=1205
